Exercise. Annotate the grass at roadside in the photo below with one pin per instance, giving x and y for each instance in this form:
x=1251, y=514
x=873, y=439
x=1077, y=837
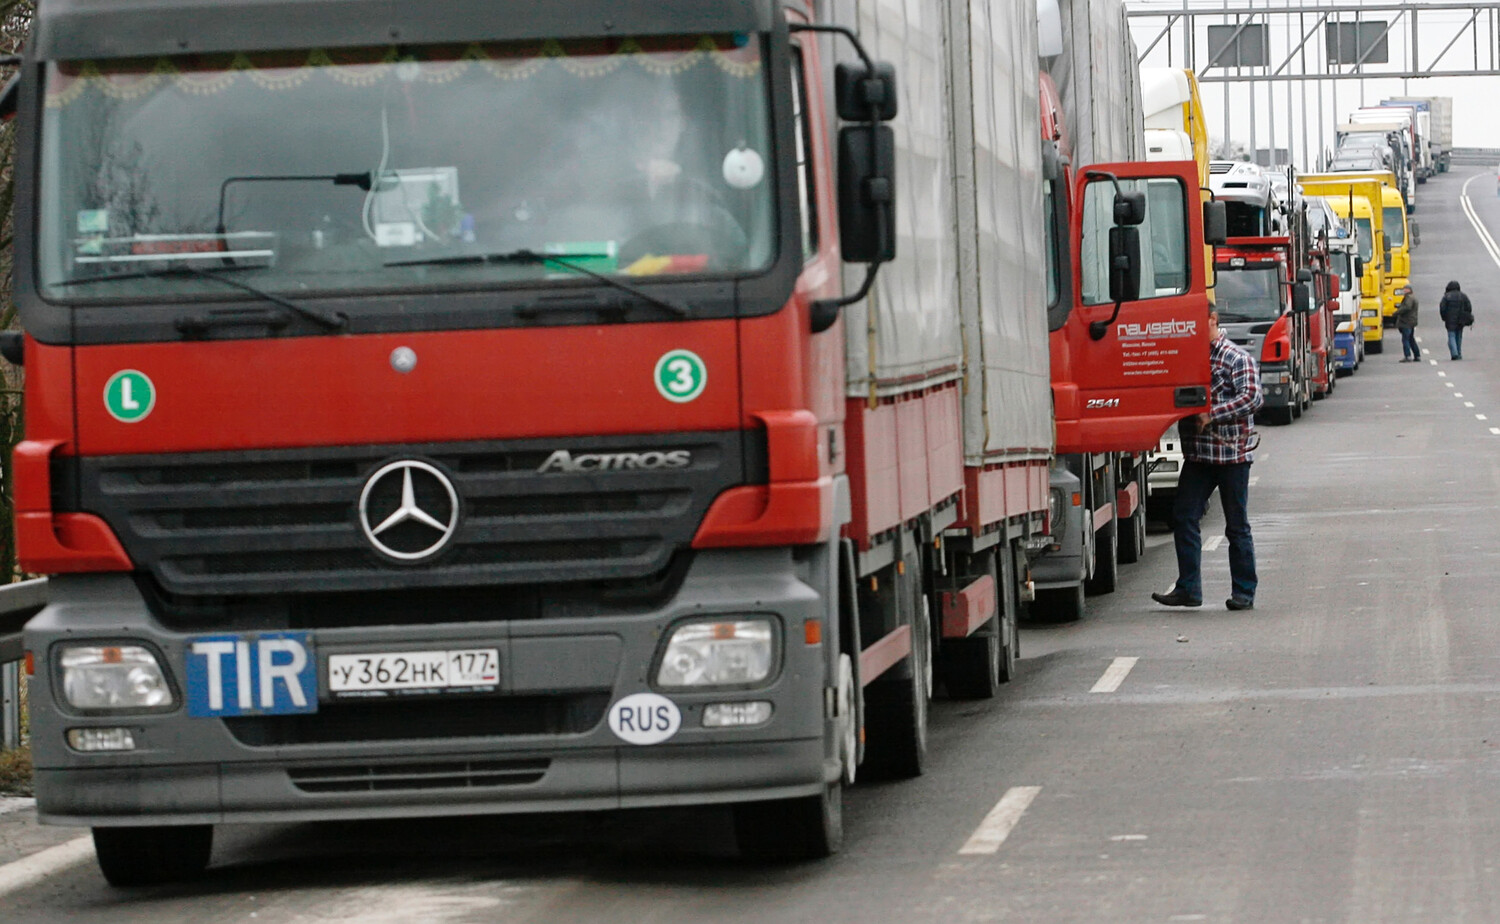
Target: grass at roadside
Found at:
x=15, y=766
x=15, y=772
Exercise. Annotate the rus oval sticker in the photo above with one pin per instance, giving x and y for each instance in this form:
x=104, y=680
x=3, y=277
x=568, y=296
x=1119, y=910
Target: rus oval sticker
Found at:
x=644, y=718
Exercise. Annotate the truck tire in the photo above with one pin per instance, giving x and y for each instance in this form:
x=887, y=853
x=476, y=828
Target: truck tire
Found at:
x=896, y=707
x=1106, y=560
x=1065, y=604
x=153, y=855
x=971, y=666
x=1133, y=543
x=791, y=830
x=1280, y=416
x=1375, y=346
x=1010, y=615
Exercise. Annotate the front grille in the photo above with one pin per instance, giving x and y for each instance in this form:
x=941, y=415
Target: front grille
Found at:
x=469, y=774
x=287, y=521
x=425, y=719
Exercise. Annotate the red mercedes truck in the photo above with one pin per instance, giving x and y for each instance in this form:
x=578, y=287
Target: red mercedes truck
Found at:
x=448, y=407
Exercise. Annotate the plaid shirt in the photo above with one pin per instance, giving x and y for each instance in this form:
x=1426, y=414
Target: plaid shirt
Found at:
x=1234, y=397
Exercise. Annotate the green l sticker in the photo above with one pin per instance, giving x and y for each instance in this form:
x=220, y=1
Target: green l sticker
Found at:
x=681, y=376
x=129, y=396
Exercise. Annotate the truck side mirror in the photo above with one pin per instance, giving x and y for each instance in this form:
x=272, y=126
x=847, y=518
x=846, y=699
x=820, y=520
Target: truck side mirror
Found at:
x=1334, y=287
x=1416, y=234
x=1301, y=298
x=1215, y=224
x=1130, y=208
x=867, y=193
x=1359, y=267
x=861, y=91
x=1304, y=275
x=1124, y=263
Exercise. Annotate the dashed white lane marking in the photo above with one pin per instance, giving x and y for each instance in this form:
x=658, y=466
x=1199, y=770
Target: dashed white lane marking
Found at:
x=1495, y=430
x=1442, y=375
x=1129, y=837
x=1449, y=384
x=1254, y=480
x=1480, y=417
x=1467, y=403
x=1114, y=675
x=1459, y=394
x=29, y=871
x=1433, y=361
x=1001, y=820
x=1212, y=544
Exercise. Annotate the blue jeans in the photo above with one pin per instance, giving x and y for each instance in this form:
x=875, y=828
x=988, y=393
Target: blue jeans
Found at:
x=1409, y=347
x=1195, y=487
x=1456, y=343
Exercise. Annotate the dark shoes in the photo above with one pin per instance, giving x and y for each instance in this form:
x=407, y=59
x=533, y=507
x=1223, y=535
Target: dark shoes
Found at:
x=1176, y=598
x=1239, y=603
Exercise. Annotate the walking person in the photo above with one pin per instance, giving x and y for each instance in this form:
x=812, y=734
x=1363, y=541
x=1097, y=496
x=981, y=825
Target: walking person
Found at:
x=1457, y=314
x=1217, y=449
x=1406, y=323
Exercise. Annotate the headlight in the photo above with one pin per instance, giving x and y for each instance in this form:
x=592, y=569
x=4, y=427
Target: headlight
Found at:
x=116, y=677
x=1057, y=513
x=718, y=654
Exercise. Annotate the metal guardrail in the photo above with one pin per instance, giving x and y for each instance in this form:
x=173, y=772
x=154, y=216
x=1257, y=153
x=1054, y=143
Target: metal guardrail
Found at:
x=1475, y=157
x=18, y=603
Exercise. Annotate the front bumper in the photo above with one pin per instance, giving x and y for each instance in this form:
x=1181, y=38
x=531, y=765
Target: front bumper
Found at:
x=458, y=755
x=1276, y=385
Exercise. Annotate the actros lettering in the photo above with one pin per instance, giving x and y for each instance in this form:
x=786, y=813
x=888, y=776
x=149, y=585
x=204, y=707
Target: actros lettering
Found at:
x=564, y=461
x=1136, y=331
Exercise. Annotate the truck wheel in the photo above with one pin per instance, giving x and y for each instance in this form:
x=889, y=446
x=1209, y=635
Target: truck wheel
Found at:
x=1281, y=416
x=1374, y=346
x=971, y=666
x=1062, y=605
x=1010, y=616
x=153, y=855
x=791, y=830
x=896, y=708
x=1133, y=545
x=1106, y=560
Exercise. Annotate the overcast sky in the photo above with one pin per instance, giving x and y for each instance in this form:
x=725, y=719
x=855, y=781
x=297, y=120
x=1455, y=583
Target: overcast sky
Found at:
x=1475, y=121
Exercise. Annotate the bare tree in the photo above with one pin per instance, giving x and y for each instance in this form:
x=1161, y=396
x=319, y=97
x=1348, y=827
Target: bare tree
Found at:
x=15, y=25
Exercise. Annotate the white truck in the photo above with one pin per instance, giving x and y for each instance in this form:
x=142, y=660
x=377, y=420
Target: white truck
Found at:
x=1439, y=129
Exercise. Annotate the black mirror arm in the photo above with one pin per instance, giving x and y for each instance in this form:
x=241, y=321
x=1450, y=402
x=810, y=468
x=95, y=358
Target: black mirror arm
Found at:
x=826, y=310
x=1097, y=329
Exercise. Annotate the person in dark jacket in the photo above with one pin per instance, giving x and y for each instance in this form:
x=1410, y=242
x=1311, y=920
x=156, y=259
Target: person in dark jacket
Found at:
x=1406, y=323
x=1457, y=314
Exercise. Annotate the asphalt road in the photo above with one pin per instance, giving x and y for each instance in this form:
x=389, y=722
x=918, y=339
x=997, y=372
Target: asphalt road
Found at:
x=1332, y=756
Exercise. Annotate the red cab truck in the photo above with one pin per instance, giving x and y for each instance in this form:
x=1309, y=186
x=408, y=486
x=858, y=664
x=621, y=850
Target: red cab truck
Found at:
x=501, y=410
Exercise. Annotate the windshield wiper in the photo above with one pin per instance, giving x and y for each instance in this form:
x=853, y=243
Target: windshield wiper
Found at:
x=200, y=323
x=531, y=256
x=1233, y=318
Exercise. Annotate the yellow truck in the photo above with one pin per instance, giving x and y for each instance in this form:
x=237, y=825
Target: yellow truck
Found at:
x=1362, y=197
x=1398, y=272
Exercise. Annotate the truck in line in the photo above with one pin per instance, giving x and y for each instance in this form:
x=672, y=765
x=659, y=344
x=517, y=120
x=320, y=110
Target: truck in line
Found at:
x=1439, y=129
x=1351, y=197
x=389, y=466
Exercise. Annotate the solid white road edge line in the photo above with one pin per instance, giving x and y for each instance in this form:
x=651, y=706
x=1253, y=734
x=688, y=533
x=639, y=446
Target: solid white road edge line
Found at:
x=998, y=824
x=28, y=871
x=1114, y=675
x=1479, y=228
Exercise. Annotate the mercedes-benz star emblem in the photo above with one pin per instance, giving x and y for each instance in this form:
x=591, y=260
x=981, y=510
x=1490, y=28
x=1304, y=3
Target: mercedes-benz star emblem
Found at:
x=408, y=510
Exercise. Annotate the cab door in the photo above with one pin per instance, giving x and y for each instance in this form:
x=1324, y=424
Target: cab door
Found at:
x=1134, y=352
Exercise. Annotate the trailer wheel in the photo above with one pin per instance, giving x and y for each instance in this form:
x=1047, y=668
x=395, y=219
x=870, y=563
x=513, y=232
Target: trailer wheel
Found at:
x=791, y=830
x=971, y=666
x=153, y=855
x=1065, y=604
x=1010, y=615
x=896, y=708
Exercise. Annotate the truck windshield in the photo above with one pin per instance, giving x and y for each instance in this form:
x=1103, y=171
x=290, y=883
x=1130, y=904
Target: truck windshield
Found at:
x=330, y=171
x=1344, y=268
x=1248, y=293
x=1395, y=225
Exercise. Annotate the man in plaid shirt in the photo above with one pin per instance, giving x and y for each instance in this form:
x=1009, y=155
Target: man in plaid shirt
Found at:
x=1218, y=448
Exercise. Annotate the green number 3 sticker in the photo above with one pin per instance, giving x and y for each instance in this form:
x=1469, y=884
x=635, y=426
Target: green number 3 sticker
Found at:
x=681, y=376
